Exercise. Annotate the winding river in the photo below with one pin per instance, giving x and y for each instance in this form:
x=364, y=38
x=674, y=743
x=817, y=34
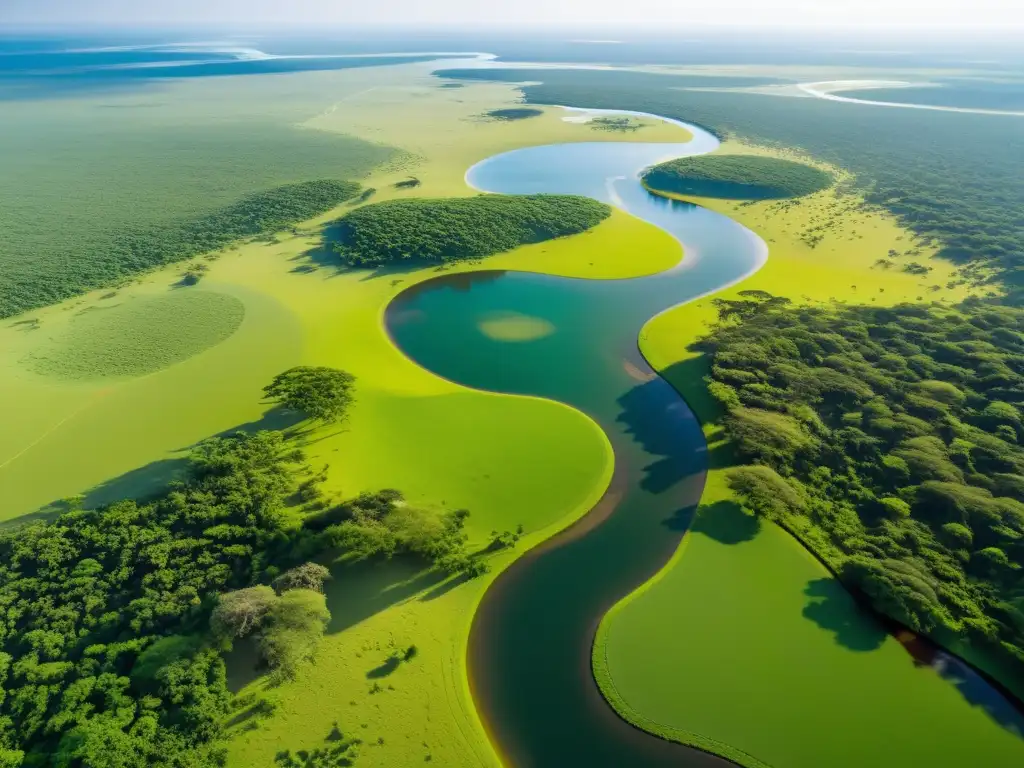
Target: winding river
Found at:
x=529, y=656
x=530, y=643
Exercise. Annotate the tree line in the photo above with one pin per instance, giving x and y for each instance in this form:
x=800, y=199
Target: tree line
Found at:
x=890, y=441
x=460, y=228
x=131, y=252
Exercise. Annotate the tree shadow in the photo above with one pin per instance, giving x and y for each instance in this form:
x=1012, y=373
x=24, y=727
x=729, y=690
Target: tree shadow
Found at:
x=832, y=608
x=151, y=480
x=660, y=422
x=243, y=664
x=363, y=588
x=389, y=666
x=445, y=587
x=727, y=523
x=687, y=378
x=681, y=519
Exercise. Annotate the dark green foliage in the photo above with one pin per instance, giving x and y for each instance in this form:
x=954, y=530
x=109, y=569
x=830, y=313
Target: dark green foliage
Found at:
x=319, y=392
x=514, y=113
x=965, y=194
x=131, y=252
x=105, y=654
x=889, y=441
x=101, y=662
x=461, y=228
x=739, y=177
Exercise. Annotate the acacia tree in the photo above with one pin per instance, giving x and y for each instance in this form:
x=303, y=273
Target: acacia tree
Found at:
x=240, y=612
x=321, y=393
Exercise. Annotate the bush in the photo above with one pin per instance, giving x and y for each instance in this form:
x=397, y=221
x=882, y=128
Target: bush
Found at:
x=319, y=392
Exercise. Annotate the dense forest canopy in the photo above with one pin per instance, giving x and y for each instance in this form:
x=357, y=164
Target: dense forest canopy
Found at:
x=953, y=176
x=113, y=620
x=131, y=252
x=890, y=442
x=737, y=177
x=460, y=228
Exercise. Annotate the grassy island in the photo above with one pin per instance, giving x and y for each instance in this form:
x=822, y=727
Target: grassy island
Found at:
x=736, y=177
x=467, y=228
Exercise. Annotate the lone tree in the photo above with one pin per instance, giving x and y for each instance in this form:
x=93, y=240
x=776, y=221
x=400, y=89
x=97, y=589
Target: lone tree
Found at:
x=319, y=392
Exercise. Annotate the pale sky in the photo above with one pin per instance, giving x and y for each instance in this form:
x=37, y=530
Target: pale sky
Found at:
x=442, y=13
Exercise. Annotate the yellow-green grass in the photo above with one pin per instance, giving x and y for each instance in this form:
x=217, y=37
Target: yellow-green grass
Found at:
x=510, y=460
x=744, y=644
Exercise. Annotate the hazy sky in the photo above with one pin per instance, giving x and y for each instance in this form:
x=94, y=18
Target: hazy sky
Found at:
x=661, y=13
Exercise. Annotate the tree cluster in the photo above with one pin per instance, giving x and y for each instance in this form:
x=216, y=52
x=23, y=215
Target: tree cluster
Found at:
x=319, y=392
x=383, y=524
x=738, y=177
x=113, y=620
x=890, y=441
x=460, y=228
x=102, y=613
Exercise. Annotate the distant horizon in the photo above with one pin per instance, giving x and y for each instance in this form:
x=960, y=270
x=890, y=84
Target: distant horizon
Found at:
x=469, y=15
x=609, y=32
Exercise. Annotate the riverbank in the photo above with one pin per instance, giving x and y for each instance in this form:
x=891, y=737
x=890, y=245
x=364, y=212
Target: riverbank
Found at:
x=762, y=700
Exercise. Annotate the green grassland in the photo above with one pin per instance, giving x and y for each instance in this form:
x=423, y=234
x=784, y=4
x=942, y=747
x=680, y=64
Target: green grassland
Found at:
x=137, y=337
x=747, y=681
x=740, y=177
x=509, y=460
x=454, y=229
